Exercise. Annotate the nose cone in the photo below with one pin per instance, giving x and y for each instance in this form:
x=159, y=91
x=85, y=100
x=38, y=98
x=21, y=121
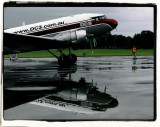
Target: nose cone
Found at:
x=113, y=23
x=114, y=103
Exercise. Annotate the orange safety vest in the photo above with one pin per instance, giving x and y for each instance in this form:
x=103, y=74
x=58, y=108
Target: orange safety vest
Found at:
x=134, y=50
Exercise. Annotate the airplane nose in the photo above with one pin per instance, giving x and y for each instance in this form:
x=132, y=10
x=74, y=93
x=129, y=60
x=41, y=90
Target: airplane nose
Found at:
x=113, y=23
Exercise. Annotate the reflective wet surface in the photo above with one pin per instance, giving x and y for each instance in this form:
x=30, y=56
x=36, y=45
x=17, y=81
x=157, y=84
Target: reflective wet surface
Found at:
x=95, y=88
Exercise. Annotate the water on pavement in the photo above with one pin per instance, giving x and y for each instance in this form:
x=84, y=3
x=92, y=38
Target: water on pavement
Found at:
x=95, y=88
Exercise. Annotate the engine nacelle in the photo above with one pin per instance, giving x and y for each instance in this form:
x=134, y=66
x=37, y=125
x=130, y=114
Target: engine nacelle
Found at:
x=78, y=38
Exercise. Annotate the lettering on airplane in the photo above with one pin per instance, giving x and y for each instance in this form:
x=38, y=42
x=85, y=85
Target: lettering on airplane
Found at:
x=36, y=28
x=84, y=24
x=47, y=101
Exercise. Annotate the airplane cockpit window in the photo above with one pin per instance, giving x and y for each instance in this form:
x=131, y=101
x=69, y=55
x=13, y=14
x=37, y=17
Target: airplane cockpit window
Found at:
x=99, y=18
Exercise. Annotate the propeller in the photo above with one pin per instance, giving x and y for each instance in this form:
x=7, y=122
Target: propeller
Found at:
x=92, y=40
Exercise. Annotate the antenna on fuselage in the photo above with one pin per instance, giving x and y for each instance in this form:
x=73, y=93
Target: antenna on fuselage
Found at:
x=105, y=89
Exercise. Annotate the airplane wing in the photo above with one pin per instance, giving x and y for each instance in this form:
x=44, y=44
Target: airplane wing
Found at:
x=24, y=43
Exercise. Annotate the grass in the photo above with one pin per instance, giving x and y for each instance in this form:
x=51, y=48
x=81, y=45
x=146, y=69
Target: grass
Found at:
x=79, y=53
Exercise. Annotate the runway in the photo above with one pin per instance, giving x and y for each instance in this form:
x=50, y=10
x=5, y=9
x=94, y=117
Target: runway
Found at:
x=95, y=88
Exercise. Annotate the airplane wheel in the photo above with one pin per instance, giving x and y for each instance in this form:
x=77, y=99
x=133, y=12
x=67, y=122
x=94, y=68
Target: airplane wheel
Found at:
x=62, y=60
x=72, y=58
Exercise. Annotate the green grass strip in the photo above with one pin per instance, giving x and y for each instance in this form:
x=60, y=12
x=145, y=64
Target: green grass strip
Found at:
x=88, y=52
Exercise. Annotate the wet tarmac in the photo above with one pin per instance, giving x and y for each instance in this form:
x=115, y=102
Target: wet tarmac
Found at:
x=95, y=88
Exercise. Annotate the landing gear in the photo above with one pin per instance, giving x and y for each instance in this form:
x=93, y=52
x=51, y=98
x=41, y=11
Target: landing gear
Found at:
x=71, y=58
x=64, y=60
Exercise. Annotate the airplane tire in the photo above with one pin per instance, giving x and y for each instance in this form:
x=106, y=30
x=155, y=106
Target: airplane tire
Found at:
x=72, y=58
x=63, y=60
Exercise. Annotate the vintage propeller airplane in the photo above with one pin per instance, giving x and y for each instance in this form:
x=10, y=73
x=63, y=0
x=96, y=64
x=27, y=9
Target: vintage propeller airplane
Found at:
x=67, y=32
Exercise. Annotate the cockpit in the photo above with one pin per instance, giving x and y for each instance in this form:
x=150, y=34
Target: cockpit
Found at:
x=99, y=18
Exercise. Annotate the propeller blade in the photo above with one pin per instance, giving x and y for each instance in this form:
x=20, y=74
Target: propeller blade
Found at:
x=91, y=44
x=94, y=42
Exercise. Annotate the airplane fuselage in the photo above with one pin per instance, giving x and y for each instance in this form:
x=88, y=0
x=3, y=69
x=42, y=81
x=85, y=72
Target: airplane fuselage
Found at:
x=70, y=23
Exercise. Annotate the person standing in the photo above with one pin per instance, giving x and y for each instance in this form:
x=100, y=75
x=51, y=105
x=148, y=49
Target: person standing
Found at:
x=134, y=52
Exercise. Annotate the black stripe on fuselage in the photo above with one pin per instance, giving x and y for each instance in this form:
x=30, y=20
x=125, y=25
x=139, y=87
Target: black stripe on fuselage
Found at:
x=64, y=28
x=55, y=30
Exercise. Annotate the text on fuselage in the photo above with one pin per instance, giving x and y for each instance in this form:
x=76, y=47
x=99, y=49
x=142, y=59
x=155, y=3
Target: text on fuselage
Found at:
x=38, y=27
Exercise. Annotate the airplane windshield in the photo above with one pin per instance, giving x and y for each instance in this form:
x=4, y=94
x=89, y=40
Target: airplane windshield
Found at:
x=100, y=18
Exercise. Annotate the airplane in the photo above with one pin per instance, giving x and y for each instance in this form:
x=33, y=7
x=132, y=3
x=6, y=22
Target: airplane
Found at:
x=62, y=33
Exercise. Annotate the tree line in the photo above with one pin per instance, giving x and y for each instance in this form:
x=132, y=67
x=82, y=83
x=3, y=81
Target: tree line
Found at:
x=144, y=40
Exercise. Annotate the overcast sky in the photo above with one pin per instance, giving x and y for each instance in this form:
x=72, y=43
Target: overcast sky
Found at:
x=131, y=20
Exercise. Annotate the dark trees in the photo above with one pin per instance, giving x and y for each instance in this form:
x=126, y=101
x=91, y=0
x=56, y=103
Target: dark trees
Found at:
x=144, y=40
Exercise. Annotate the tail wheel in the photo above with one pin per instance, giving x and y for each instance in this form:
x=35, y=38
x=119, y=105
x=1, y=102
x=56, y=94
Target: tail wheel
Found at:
x=72, y=58
x=62, y=60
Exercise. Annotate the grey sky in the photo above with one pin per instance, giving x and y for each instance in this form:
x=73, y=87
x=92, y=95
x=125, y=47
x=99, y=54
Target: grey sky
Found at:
x=131, y=20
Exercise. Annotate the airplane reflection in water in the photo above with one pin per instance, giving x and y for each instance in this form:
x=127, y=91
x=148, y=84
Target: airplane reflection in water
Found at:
x=78, y=97
x=67, y=95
